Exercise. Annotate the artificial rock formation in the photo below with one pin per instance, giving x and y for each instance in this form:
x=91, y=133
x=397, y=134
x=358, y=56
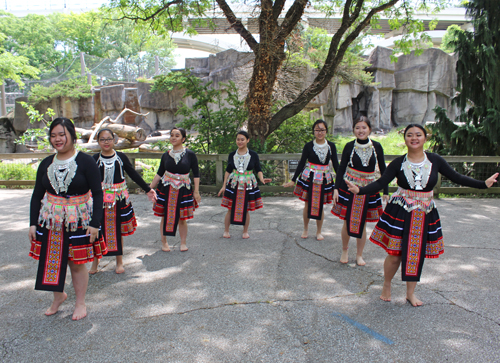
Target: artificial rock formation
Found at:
x=403, y=92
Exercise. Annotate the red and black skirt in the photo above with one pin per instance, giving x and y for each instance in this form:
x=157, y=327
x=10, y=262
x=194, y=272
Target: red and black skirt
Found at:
x=119, y=220
x=173, y=204
x=414, y=235
x=53, y=248
x=313, y=190
x=240, y=201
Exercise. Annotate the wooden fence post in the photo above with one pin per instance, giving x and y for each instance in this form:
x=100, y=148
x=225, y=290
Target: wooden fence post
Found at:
x=219, y=172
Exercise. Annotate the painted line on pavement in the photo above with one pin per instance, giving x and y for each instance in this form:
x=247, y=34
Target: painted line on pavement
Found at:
x=363, y=328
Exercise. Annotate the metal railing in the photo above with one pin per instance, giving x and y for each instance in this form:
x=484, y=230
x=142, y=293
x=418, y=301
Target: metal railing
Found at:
x=221, y=159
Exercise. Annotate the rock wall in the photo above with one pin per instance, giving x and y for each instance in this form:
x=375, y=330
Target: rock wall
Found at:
x=404, y=92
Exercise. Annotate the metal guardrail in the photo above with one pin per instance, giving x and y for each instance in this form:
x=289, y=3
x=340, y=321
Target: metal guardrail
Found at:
x=219, y=160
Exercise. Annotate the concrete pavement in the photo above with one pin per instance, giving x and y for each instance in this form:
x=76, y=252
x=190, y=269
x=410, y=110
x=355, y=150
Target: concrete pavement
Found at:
x=272, y=298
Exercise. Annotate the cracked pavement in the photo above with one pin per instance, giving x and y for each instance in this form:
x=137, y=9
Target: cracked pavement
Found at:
x=272, y=298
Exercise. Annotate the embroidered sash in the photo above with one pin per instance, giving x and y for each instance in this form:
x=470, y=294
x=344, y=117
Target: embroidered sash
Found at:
x=172, y=211
x=413, y=245
x=115, y=193
x=245, y=180
x=56, y=211
x=357, y=208
x=411, y=200
x=177, y=181
x=320, y=172
x=241, y=182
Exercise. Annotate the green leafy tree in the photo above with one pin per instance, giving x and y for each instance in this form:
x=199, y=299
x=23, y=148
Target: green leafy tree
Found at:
x=14, y=66
x=478, y=79
x=32, y=37
x=276, y=22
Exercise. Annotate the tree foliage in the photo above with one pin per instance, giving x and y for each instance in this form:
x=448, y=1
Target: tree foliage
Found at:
x=277, y=21
x=478, y=80
x=52, y=44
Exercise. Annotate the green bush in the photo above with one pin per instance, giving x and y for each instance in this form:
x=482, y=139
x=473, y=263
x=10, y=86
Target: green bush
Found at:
x=75, y=89
x=17, y=171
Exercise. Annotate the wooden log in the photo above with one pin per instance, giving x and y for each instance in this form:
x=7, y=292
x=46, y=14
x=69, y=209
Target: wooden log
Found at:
x=132, y=133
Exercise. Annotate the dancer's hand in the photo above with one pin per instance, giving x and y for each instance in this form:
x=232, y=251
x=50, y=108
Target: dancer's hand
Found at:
x=197, y=197
x=335, y=196
x=385, y=198
x=491, y=180
x=266, y=180
x=151, y=195
x=93, y=233
x=352, y=188
x=221, y=191
x=32, y=233
x=289, y=184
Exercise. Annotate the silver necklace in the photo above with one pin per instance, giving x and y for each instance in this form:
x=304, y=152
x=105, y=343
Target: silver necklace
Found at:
x=321, y=150
x=241, y=161
x=61, y=173
x=177, y=155
x=109, y=169
x=364, y=151
x=417, y=174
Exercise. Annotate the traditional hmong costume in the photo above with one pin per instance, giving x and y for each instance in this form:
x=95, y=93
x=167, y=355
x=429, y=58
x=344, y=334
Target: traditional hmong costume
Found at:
x=119, y=217
x=410, y=226
x=175, y=198
x=313, y=177
x=359, y=166
x=62, y=209
x=242, y=193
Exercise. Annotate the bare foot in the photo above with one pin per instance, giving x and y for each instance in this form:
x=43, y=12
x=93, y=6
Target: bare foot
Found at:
x=95, y=265
x=320, y=237
x=226, y=235
x=119, y=269
x=304, y=234
x=344, y=258
x=360, y=261
x=245, y=235
x=164, y=246
x=386, y=293
x=80, y=312
x=56, y=303
x=414, y=301
x=183, y=247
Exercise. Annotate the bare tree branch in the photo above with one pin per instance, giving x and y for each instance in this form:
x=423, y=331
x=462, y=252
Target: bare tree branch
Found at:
x=237, y=25
x=156, y=13
x=334, y=58
x=278, y=8
x=292, y=17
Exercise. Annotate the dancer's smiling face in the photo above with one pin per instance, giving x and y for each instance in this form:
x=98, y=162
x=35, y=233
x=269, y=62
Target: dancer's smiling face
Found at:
x=415, y=138
x=61, y=139
x=241, y=141
x=362, y=130
x=106, y=141
x=176, y=138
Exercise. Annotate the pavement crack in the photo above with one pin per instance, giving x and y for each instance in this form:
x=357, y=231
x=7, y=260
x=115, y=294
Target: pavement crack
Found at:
x=451, y=302
x=272, y=302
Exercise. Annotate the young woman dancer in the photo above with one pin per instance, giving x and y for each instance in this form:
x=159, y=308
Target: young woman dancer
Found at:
x=119, y=218
x=176, y=200
x=359, y=162
x=64, y=220
x=315, y=184
x=240, y=189
x=410, y=228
